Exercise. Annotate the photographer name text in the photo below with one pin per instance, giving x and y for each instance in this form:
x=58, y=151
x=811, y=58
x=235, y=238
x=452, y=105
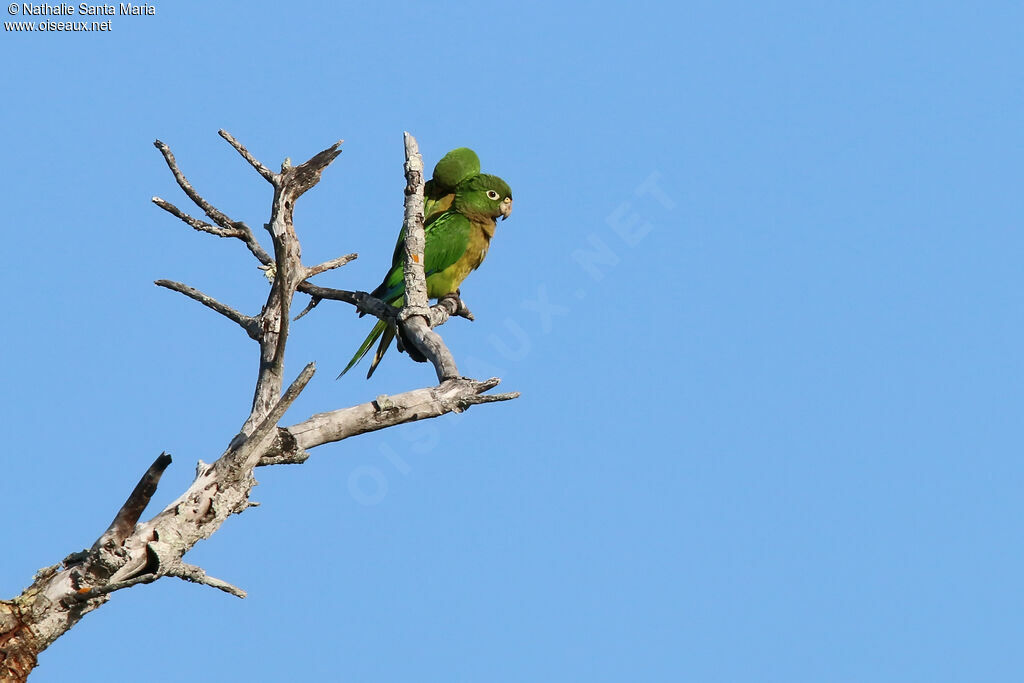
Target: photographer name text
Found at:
x=85, y=9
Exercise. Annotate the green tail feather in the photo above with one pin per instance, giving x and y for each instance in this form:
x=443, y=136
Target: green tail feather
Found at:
x=364, y=348
x=385, y=342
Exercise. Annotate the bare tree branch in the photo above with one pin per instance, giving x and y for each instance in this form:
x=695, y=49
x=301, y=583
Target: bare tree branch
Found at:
x=260, y=168
x=451, y=396
x=202, y=226
x=415, y=315
x=416, y=300
x=238, y=230
x=320, y=293
x=190, y=572
x=452, y=304
x=243, y=457
x=131, y=511
x=313, y=302
x=306, y=175
x=329, y=265
x=289, y=185
x=215, y=215
x=446, y=307
x=86, y=594
x=248, y=323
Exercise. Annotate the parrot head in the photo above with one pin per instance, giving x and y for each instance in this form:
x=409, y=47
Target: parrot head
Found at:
x=485, y=196
x=456, y=166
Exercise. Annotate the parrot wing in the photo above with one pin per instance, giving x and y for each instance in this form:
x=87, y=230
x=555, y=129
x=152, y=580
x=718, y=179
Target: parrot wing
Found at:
x=446, y=242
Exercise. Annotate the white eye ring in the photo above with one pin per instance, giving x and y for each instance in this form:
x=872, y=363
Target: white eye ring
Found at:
x=491, y=194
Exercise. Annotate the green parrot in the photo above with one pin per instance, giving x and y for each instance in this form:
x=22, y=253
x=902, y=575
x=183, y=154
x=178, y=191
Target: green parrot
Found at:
x=456, y=243
x=456, y=166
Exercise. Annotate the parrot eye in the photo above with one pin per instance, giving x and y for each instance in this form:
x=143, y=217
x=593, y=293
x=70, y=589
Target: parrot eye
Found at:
x=491, y=194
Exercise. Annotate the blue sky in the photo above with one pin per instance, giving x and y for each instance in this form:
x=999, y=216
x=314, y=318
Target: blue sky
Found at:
x=772, y=434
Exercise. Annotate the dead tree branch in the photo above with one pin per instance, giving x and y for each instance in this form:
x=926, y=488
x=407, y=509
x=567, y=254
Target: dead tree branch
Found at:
x=190, y=572
x=128, y=515
x=329, y=265
x=415, y=317
x=131, y=552
x=215, y=215
x=452, y=396
x=240, y=148
x=247, y=322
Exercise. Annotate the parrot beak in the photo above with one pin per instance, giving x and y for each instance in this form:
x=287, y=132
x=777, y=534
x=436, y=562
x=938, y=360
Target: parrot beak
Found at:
x=506, y=208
